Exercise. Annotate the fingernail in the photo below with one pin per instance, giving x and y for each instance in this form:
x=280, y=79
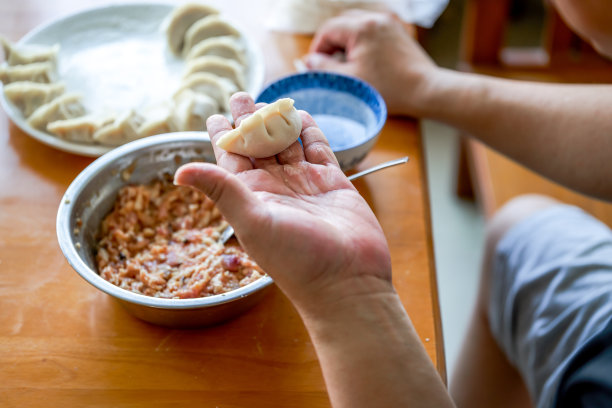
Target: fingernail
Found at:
x=178, y=175
x=175, y=179
x=313, y=60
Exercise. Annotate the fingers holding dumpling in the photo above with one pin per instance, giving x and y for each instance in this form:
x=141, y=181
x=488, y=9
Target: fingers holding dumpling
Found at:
x=242, y=106
x=217, y=126
x=316, y=146
x=292, y=154
x=264, y=133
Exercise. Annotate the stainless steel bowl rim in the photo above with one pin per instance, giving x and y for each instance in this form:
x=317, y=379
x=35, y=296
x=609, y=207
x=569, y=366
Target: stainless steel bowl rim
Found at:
x=64, y=234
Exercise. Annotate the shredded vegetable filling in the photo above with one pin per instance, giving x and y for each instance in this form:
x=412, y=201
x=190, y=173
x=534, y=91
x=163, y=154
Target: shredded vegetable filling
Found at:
x=161, y=240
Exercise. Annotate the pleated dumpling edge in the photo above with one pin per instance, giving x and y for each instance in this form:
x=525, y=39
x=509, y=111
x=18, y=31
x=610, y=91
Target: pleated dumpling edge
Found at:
x=267, y=132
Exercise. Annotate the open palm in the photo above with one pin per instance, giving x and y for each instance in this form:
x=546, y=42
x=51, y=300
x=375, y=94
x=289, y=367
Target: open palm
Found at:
x=296, y=213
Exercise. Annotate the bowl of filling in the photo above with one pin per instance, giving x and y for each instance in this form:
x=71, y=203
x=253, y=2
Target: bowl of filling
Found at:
x=153, y=246
x=350, y=112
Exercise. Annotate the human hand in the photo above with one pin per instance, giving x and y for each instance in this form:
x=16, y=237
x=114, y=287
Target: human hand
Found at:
x=297, y=215
x=378, y=49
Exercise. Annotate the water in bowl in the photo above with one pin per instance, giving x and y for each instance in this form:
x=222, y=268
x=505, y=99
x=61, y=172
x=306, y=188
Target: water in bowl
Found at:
x=345, y=119
x=341, y=132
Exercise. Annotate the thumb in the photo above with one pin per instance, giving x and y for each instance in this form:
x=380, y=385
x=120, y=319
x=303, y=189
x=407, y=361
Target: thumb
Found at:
x=323, y=62
x=233, y=198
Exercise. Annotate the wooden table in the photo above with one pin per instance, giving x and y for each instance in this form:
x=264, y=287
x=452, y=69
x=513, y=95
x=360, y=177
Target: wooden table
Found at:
x=65, y=344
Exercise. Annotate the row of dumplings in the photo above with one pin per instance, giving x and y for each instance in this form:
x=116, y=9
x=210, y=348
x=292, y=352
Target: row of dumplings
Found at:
x=29, y=76
x=213, y=50
x=215, y=68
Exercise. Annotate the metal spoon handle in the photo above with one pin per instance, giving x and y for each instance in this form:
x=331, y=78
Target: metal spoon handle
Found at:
x=226, y=234
x=229, y=231
x=379, y=167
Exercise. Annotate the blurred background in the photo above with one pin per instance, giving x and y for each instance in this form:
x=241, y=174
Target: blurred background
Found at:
x=458, y=225
x=521, y=39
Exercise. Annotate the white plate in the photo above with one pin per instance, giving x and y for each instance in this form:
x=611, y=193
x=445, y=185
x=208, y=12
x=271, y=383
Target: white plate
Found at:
x=117, y=58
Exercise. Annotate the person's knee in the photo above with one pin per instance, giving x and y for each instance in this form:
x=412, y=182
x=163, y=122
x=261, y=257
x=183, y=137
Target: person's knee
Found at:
x=513, y=212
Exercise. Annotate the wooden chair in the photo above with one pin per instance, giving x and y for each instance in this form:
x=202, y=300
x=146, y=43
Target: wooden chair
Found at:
x=563, y=57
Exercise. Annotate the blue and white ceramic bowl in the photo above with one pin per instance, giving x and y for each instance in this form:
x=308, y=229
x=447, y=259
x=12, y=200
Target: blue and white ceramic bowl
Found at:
x=350, y=112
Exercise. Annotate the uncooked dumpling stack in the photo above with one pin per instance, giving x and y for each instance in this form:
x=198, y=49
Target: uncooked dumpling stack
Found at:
x=29, y=77
x=215, y=67
x=215, y=63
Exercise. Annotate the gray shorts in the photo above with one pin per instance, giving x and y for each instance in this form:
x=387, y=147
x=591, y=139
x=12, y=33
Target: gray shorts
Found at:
x=551, y=291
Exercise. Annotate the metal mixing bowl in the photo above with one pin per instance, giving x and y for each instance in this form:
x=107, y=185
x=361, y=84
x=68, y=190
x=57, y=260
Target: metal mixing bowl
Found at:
x=90, y=198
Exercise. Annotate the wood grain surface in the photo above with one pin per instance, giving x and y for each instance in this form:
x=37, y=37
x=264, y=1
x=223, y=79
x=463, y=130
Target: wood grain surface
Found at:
x=63, y=343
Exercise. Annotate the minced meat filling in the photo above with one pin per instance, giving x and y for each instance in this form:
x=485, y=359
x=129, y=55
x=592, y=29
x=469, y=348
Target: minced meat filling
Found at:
x=161, y=240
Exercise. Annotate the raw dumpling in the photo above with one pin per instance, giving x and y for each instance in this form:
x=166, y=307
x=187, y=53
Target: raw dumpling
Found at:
x=79, y=129
x=208, y=27
x=222, y=67
x=209, y=84
x=123, y=129
x=192, y=109
x=158, y=119
x=28, y=54
x=265, y=133
x=181, y=19
x=226, y=47
x=66, y=106
x=29, y=96
x=43, y=72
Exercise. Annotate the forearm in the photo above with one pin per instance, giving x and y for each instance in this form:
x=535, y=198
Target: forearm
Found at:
x=372, y=357
x=563, y=132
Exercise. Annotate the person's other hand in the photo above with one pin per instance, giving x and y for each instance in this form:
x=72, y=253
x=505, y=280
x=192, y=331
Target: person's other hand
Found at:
x=377, y=48
x=297, y=215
